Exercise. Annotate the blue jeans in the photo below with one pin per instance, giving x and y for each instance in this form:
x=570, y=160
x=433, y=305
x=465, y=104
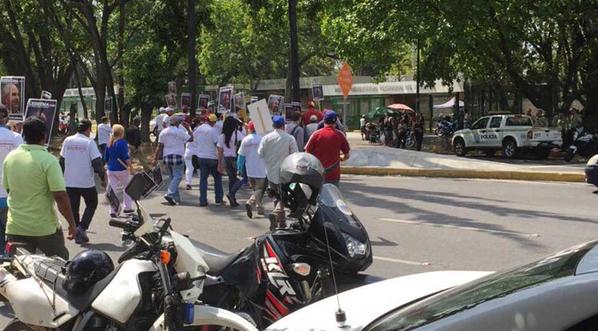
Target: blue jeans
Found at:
x=234, y=184
x=209, y=167
x=176, y=174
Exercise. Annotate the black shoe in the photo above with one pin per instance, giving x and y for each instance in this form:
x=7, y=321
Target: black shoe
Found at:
x=188, y=187
x=203, y=204
x=232, y=201
x=113, y=215
x=78, y=237
x=84, y=237
x=249, y=211
x=170, y=200
x=128, y=211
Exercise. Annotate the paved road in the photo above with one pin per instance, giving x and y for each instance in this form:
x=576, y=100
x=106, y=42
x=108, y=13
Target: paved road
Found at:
x=415, y=224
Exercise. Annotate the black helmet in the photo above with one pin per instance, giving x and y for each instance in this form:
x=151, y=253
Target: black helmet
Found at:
x=592, y=170
x=86, y=269
x=301, y=178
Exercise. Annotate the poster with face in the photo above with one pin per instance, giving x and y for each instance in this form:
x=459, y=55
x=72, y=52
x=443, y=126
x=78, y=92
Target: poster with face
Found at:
x=44, y=110
x=296, y=106
x=185, y=100
x=224, y=99
x=203, y=101
x=260, y=115
x=46, y=95
x=108, y=105
x=172, y=87
x=240, y=100
x=12, y=96
x=276, y=104
x=317, y=92
x=170, y=100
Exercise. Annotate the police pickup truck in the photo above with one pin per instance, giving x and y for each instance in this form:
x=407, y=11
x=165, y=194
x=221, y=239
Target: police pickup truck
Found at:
x=509, y=133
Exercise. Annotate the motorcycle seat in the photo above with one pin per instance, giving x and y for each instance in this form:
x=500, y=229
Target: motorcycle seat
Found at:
x=52, y=273
x=216, y=259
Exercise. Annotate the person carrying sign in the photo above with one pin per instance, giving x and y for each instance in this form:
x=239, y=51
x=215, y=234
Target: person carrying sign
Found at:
x=79, y=158
x=119, y=166
x=327, y=144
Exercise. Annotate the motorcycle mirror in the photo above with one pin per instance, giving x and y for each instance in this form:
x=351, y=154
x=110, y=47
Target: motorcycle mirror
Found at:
x=136, y=186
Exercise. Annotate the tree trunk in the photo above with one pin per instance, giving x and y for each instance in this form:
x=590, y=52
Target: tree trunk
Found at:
x=192, y=31
x=146, y=116
x=293, y=73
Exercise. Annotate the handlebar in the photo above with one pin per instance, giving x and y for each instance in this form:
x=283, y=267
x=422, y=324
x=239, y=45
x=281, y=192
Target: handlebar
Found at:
x=119, y=224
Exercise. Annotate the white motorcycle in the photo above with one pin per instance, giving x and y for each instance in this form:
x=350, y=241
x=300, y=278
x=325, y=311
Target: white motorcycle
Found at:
x=156, y=287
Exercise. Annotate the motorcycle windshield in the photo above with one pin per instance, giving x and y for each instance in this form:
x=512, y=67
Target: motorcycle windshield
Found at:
x=332, y=197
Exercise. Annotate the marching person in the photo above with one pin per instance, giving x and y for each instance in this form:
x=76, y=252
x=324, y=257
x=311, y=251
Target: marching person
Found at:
x=207, y=135
x=79, y=159
x=418, y=130
x=294, y=129
x=255, y=169
x=312, y=111
x=9, y=141
x=104, y=132
x=273, y=148
x=227, y=156
x=33, y=179
x=133, y=135
x=327, y=145
x=311, y=127
x=171, y=148
x=191, y=149
x=159, y=120
x=119, y=167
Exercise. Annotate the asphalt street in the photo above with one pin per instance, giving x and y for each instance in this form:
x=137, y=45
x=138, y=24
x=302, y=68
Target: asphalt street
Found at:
x=415, y=224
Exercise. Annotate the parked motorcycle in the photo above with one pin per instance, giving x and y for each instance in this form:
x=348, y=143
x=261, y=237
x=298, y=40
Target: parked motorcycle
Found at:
x=584, y=144
x=445, y=128
x=286, y=269
x=156, y=286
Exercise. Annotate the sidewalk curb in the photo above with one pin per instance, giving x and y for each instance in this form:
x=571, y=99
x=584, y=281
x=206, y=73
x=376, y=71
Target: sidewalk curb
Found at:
x=463, y=173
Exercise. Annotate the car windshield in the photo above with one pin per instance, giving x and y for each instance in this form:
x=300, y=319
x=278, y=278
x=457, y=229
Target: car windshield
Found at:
x=519, y=121
x=497, y=285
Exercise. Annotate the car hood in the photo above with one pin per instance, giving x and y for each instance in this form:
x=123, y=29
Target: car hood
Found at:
x=364, y=304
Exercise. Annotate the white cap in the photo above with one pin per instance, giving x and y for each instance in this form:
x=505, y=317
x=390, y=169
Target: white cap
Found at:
x=162, y=110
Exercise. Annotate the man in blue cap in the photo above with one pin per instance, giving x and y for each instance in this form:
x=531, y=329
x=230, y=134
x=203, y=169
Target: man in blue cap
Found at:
x=273, y=149
x=330, y=146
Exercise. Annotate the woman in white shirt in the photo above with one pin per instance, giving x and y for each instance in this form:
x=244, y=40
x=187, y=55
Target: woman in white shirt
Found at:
x=228, y=141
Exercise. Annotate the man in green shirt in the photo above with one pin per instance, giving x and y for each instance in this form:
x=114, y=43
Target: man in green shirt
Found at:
x=33, y=179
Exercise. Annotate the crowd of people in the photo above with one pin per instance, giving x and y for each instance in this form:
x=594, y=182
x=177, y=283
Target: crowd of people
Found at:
x=396, y=129
x=210, y=144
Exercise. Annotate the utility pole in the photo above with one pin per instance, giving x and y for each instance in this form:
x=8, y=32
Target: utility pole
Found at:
x=293, y=53
x=192, y=29
x=418, y=80
x=121, y=67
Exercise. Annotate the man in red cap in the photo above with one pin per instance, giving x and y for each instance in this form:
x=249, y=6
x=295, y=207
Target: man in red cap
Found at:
x=311, y=110
x=327, y=144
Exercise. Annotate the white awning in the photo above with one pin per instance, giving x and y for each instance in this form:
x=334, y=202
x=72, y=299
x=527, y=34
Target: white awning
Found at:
x=449, y=104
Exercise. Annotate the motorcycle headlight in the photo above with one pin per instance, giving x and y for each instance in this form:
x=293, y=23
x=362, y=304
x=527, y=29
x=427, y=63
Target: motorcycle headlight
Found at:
x=354, y=246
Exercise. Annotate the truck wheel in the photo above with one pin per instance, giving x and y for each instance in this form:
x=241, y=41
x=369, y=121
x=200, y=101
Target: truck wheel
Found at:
x=509, y=148
x=459, y=147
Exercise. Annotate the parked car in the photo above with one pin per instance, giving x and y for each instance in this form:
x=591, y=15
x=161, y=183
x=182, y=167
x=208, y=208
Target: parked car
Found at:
x=509, y=133
x=556, y=293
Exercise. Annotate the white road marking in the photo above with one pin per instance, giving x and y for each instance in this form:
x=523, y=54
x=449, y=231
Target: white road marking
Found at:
x=458, y=227
x=388, y=259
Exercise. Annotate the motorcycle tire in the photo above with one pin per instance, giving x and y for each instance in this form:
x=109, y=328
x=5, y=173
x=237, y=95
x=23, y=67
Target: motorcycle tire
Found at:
x=16, y=325
x=410, y=141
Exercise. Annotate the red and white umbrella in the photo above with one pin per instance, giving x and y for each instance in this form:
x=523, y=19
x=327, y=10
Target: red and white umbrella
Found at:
x=400, y=107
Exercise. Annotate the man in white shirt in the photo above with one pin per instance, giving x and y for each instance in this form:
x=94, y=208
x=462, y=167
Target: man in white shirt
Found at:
x=9, y=141
x=169, y=113
x=159, y=120
x=171, y=145
x=79, y=159
x=207, y=154
x=104, y=132
x=273, y=149
x=255, y=168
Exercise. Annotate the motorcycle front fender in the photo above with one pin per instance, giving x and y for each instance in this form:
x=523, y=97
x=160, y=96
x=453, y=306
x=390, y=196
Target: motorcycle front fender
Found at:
x=207, y=315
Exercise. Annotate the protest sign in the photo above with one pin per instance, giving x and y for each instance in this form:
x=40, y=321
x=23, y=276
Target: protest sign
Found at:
x=203, y=101
x=12, y=96
x=46, y=95
x=150, y=186
x=156, y=174
x=44, y=110
x=185, y=100
x=317, y=92
x=112, y=199
x=260, y=115
x=224, y=99
x=239, y=101
x=108, y=106
x=276, y=104
x=296, y=106
x=170, y=100
x=288, y=111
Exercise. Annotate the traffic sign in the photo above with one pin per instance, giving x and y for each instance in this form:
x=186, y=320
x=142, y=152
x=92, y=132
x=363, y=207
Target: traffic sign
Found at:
x=345, y=79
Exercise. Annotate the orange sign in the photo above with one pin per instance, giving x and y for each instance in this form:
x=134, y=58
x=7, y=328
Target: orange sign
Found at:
x=345, y=79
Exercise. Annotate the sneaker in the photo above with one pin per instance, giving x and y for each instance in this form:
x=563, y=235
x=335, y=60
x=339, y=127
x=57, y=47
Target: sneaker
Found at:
x=170, y=200
x=188, y=187
x=128, y=211
x=249, y=211
x=113, y=215
x=84, y=236
x=261, y=211
x=221, y=203
x=78, y=237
